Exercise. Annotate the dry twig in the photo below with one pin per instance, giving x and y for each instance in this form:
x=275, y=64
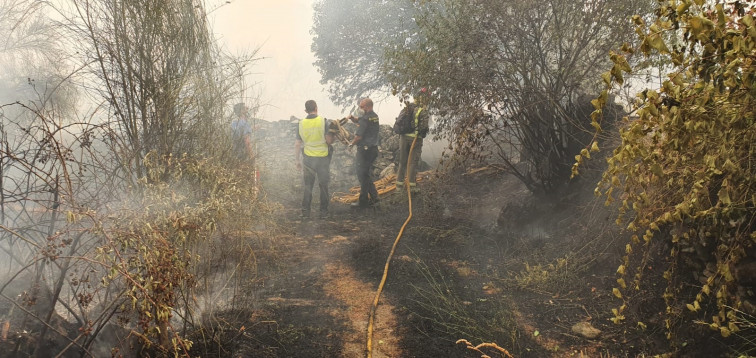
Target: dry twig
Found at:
x=477, y=348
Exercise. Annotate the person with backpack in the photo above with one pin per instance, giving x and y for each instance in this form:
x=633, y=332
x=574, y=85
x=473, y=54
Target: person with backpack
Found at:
x=366, y=139
x=313, y=151
x=411, y=125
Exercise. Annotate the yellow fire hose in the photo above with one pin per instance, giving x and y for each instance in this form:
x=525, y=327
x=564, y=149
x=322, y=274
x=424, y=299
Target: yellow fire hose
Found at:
x=391, y=254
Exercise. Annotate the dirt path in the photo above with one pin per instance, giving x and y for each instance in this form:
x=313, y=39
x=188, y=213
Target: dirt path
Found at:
x=320, y=251
x=469, y=266
x=439, y=287
x=358, y=297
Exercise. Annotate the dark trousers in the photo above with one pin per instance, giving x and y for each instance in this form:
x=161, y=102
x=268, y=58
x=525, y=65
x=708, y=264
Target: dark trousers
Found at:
x=405, y=143
x=365, y=158
x=319, y=167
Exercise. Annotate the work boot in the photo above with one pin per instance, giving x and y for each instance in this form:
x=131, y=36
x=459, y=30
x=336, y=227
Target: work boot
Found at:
x=324, y=215
x=304, y=215
x=414, y=189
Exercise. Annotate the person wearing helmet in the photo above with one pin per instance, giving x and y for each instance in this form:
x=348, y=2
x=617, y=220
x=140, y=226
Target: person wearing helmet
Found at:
x=405, y=143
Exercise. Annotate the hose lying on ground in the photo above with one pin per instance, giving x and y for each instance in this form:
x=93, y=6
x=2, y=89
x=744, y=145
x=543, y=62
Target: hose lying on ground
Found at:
x=388, y=260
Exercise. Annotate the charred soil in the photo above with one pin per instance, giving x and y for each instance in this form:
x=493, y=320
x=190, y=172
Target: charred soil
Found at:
x=481, y=260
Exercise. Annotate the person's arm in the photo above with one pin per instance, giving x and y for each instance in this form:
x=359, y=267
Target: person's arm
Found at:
x=248, y=146
x=298, y=153
x=423, y=125
x=361, y=128
x=355, y=140
x=329, y=137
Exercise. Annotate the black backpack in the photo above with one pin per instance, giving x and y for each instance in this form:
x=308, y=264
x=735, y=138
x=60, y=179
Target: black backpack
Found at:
x=405, y=122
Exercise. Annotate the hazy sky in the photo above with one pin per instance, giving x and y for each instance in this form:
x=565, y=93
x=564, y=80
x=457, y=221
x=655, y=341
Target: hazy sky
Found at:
x=286, y=78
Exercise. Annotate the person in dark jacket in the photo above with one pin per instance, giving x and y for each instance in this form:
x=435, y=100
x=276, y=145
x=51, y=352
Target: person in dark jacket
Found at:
x=405, y=143
x=366, y=141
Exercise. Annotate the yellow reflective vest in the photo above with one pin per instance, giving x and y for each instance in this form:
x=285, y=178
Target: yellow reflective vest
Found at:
x=312, y=132
x=417, y=122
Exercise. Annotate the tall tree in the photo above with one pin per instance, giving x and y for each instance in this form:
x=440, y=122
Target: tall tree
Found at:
x=351, y=39
x=153, y=87
x=509, y=78
x=160, y=73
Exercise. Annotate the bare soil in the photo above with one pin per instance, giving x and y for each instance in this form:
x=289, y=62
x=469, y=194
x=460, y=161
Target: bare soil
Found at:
x=480, y=260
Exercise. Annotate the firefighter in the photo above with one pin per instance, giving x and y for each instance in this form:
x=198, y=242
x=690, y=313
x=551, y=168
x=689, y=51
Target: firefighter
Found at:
x=313, y=151
x=366, y=141
x=405, y=142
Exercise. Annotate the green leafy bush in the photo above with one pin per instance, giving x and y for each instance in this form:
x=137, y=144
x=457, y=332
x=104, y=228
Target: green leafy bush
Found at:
x=686, y=164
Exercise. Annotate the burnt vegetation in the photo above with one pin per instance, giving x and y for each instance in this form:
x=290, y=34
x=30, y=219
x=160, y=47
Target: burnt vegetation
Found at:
x=129, y=228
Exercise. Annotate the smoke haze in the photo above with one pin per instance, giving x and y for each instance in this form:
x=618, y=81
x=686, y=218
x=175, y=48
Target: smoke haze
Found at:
x=285, y=77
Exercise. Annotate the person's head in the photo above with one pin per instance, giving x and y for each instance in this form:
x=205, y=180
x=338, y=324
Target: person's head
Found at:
x=311, y=106
x=366, y=104
x=358, y=112
x=240, y=109
x=421, y=97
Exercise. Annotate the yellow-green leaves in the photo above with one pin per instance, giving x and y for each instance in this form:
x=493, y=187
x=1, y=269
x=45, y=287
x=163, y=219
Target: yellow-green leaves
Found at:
x=682, y=7
x=621, y=282
x=618, y=316
x=616, y=292
x=655, y=40
x=724, y=196
x=620, y=61
x=693, y=307
x=681, y=160
x=621, y=269
x=699, y=26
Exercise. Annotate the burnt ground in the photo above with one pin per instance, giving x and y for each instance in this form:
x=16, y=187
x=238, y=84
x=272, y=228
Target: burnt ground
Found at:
x=480, y=260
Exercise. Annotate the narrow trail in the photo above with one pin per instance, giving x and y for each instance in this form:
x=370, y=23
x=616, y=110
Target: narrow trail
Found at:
x=357, y=296
x=325, y=246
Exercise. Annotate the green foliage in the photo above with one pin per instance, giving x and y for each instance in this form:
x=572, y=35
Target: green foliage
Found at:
x=686, y=161
x=508, y=78
x=350, y=38
x=442, y=305
x=552, y=278
x=151, y=250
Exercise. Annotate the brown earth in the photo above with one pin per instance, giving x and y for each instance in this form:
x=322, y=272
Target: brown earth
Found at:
x=480, y=260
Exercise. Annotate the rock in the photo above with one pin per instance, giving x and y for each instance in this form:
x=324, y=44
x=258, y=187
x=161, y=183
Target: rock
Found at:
x=388, y=170
x=586, y=330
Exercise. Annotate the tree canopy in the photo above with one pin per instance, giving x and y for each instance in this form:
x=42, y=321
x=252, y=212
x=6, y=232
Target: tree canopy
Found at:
x=508, y=80
x=350, y=43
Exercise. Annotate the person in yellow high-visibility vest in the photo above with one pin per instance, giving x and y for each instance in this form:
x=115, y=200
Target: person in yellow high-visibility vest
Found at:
x=405, y=142
x=313, y=152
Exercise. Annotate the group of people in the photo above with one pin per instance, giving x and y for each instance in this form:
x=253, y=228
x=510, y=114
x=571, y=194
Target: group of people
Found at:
x=313, y=152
